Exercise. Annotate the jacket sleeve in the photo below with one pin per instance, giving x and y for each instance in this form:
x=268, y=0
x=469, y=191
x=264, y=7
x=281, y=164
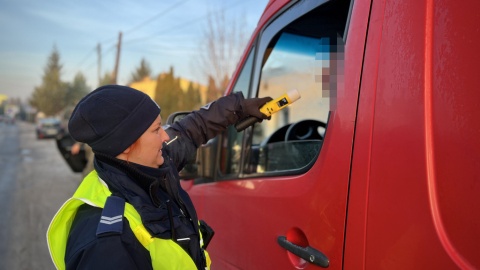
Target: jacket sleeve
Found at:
x=202, y=125
x=108, y=253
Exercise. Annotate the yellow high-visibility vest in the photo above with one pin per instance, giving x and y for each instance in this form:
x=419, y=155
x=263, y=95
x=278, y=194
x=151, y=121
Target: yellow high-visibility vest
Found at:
x=164, y=253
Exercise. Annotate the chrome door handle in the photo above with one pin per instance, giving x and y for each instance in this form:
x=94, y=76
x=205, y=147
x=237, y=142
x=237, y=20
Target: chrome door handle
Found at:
x=309, y=254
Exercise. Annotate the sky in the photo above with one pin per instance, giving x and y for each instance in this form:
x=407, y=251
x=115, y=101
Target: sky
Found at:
x=164, y=33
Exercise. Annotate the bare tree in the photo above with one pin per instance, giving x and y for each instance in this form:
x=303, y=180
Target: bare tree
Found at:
x=221, y=46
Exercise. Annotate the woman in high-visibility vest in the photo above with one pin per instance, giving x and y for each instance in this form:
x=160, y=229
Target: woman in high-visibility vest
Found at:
x=130, y=212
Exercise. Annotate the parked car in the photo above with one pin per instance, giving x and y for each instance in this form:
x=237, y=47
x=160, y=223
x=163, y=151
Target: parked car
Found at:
x=7, y=119
x=49, y=128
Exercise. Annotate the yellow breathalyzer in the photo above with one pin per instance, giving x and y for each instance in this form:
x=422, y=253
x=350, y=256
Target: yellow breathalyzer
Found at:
x=270, y=108
x=283, y=101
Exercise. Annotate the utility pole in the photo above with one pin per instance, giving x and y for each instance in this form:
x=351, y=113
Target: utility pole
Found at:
x=117, y=59
x=99, y=54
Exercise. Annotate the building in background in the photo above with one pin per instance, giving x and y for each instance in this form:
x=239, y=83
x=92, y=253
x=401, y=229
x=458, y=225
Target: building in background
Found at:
x=148, y=85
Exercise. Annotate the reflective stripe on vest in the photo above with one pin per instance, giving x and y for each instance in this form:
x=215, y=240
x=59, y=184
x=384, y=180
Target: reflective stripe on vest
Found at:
x=165, y=254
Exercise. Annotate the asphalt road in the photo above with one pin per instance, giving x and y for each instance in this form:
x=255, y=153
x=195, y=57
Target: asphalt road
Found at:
x=34, y=182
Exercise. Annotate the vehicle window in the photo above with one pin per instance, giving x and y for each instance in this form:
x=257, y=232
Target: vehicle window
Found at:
x=243, y=82
x=231, y=145
x=306, y=55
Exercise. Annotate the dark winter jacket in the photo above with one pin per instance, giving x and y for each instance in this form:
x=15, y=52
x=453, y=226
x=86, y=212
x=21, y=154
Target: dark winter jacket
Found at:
x=152, y=192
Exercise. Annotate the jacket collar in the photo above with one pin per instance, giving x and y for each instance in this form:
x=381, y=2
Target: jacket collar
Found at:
x=151, y=196
x=111, y=168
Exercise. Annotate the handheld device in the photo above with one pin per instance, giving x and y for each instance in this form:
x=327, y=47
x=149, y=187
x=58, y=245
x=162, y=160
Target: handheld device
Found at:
x=270, y=108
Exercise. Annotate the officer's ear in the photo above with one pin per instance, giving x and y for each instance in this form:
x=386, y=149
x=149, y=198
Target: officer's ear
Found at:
x=124, y=154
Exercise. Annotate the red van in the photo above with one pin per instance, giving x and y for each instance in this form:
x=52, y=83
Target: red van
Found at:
x=377, y=165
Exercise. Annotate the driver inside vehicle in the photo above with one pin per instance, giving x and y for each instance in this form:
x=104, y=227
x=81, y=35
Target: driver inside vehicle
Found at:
x=293, y=138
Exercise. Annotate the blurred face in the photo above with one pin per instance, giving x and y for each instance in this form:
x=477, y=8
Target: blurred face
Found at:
x=147, y=150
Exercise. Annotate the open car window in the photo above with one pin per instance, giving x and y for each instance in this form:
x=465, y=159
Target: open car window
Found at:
x=303, y=52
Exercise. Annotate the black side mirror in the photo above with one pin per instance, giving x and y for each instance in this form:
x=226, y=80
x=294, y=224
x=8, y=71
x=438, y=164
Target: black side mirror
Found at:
x=190, y=170
x=206, y=160
x=203, y=169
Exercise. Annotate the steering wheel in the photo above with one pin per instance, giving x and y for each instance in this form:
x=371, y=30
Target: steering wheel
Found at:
x=304, y=130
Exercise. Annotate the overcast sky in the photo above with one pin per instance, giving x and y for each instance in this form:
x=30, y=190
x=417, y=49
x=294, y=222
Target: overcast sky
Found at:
x=165, y=33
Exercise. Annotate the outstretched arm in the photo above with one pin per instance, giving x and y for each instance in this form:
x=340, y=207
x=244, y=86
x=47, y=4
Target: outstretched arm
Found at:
x=212, y=119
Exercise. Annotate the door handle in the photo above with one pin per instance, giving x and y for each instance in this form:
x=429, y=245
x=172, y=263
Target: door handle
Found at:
x=309, y=254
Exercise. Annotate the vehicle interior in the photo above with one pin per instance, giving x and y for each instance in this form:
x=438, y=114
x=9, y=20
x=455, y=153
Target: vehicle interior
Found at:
x=306, y=55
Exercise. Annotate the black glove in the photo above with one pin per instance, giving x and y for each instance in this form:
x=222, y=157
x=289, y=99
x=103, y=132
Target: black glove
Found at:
x=251, y=107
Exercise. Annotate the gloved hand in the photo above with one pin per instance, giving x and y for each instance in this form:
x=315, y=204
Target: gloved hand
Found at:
x=251, y=106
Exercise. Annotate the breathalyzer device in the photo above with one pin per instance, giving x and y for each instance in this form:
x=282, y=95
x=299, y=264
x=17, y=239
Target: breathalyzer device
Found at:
x=270, y=108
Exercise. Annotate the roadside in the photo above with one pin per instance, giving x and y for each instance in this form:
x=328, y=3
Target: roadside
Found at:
x=43, y=183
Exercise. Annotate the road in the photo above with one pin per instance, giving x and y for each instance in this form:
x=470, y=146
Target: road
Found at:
x=34, y=182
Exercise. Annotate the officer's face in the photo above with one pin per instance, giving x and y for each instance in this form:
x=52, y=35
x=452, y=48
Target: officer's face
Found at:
x=147, y=150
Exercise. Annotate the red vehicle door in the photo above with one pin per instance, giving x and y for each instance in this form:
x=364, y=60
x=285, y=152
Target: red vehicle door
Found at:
x=414, y=196
x=285, y=181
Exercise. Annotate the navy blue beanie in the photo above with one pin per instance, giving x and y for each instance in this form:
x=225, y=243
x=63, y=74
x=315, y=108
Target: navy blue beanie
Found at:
x=111, y=118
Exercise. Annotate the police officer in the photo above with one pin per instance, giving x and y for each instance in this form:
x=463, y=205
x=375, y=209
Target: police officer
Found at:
x=131, y=212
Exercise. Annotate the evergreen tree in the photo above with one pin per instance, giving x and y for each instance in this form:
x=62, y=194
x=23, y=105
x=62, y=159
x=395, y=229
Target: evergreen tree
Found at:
x=141, y=72
x=168, y=93
x=181, y=96
x=49, y=97
x=192, y=98
x=106, y=79
x=77, y=90
x=196, y=97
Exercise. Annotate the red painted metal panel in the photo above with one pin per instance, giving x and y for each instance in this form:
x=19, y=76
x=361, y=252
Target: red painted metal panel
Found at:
x=415, y=168
x=249, y=215
x=455, y=127
x=412, y=199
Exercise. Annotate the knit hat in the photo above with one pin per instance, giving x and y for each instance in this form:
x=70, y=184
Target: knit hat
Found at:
x=111, y=118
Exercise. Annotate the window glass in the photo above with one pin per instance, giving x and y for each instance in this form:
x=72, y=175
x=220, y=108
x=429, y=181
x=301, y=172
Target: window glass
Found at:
x=231, y=145
x=243, y=81
x=303, y=52
x=307, y=55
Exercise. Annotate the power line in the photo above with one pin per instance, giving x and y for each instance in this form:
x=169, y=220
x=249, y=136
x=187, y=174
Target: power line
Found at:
x=175, y=28
x=149, y=20
x=103, y=55
x=85, y=58
x=155, y=34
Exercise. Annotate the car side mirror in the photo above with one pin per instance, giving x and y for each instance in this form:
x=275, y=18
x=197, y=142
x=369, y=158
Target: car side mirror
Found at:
x=206, y=160
x=190, y=170
x=204, y=167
